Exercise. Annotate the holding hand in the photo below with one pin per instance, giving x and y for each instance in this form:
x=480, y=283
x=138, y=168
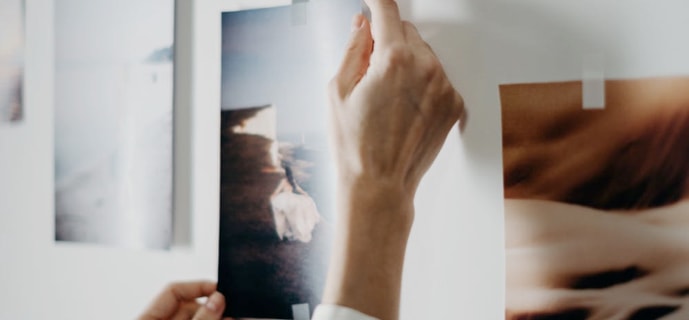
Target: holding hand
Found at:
x=178, y=302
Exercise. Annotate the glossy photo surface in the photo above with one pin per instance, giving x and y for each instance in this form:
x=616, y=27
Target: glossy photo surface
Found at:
x=277, y=172
x=597, y=201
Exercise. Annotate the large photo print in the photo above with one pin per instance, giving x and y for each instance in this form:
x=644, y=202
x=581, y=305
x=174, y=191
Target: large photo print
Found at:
x=11, y=60
x=597, y=201
x=277, y=173
x=114, y=122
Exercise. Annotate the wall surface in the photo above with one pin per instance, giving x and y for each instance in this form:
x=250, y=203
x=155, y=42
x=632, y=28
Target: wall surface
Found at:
x=455, y=262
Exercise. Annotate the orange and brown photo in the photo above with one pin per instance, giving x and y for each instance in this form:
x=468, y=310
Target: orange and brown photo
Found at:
x=597, y=201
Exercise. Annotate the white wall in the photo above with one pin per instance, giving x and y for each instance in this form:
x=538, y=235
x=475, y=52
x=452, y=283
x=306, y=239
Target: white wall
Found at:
x=40, y=279
x=455, y=263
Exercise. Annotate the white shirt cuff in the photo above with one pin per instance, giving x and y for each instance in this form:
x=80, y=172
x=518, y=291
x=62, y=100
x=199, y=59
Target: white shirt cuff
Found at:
x=332, y=312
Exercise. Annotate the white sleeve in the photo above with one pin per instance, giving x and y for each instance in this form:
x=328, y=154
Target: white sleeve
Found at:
x=332, y=312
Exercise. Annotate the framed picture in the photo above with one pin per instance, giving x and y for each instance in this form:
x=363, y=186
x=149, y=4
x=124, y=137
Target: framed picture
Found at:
x=114, y=122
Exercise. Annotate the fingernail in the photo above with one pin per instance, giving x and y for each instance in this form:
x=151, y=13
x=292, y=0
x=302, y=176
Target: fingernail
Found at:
x=358, y=22
x=214, y=302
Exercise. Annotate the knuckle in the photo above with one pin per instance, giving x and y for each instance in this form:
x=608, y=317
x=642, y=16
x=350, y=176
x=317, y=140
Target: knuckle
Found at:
x=429, y=73
x=390, y=5
x=450, y=94
x=408, y=25
x=172, y=287
x=459, y=106
x=409, y=28
x=454, y=105
x=459, y=101
x=399, y=55
x=449, y=103
x=432, y=69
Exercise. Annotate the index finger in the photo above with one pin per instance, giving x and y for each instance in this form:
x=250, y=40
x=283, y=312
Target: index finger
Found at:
x=386, y=23
x=168, y=302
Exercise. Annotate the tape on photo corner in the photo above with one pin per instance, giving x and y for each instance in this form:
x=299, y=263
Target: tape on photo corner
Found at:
x=593, y=82
x=301, y=311
x=299, y=12
x=365, y=10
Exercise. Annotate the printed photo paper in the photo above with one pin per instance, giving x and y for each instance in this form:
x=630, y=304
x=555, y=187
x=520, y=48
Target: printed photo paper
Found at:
x=277, y=172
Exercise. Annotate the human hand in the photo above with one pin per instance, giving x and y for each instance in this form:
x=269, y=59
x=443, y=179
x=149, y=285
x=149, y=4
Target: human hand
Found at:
x=393, y=107
x=393, y=104
x=178, y=302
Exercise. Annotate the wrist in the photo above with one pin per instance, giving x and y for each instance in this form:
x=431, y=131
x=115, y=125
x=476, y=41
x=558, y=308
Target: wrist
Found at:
x=375, y=219
x=380, y=202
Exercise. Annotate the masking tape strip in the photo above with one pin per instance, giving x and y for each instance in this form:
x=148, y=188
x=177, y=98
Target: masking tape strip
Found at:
x=299, y=15
x=593, y=82
x=301, y=311
x=365, y=10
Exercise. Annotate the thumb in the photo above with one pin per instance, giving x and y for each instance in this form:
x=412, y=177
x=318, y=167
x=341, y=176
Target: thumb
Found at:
x=213, y=309
x=357, y=56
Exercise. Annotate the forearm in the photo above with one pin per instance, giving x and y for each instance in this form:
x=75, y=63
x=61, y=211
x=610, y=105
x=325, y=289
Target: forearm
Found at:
x=368, y=254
